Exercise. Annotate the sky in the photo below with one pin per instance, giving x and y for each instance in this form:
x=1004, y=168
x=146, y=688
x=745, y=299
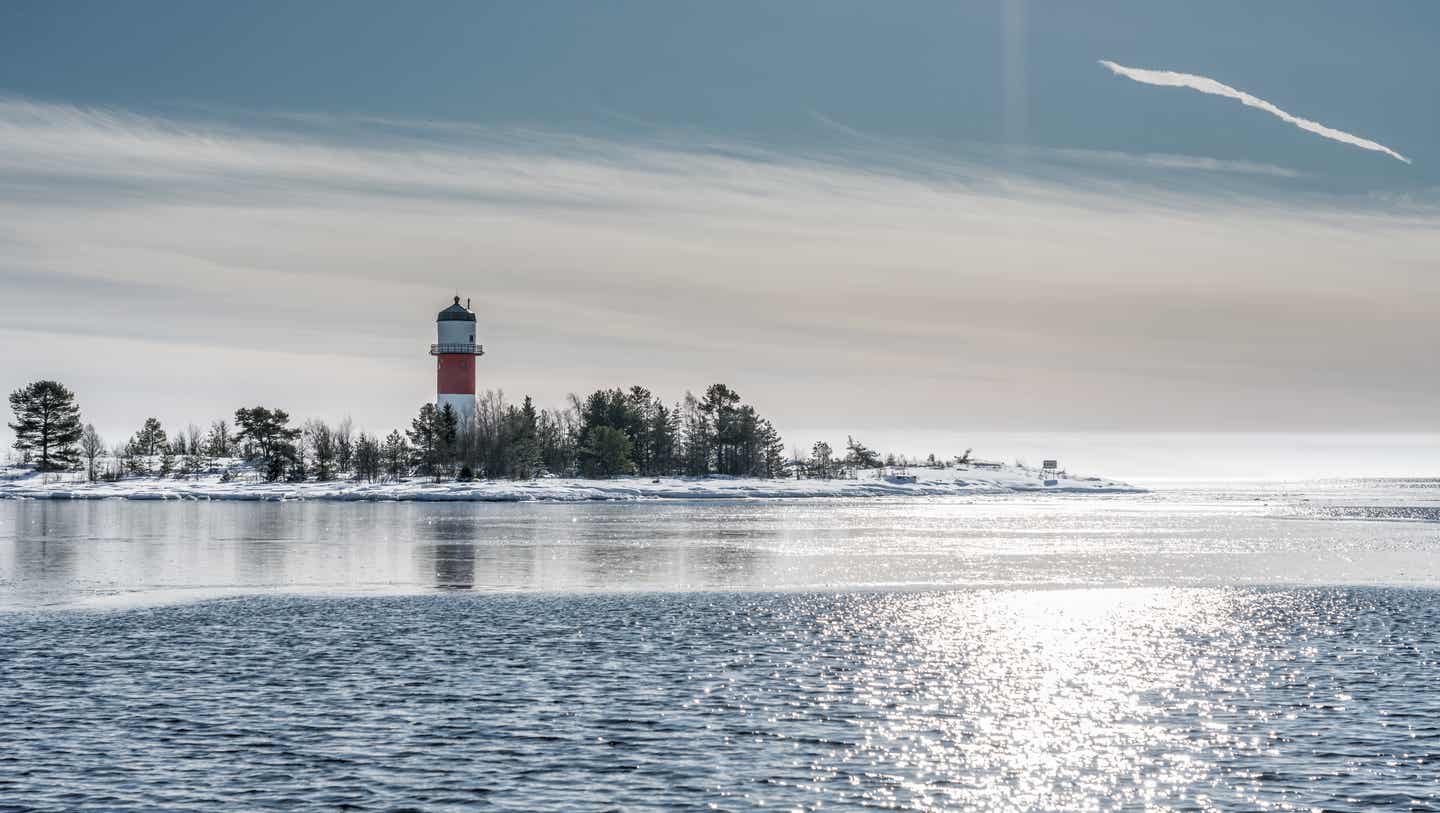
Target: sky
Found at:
x=933, y=224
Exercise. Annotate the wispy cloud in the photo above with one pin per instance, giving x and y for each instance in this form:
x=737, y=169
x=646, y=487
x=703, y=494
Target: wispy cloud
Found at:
x=1164, y=161
x=1038, y=158
x=1204, y=84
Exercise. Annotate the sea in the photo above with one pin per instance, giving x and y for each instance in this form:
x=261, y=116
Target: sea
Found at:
x=1206, y=646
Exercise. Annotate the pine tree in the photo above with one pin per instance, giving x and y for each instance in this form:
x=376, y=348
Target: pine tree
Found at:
x=133, y=463
x=615, y=412
x=606, y=453
x=47, y=424
x=747, y=454
x=396, y=454
x=820, y=455
x=859, y=456
x=422, y=439
x=664, y=438
x=447, y=433
x=150, y=439
x=269, y=434
x=718, y=407
x=524, y=458
x=433, y=434
x=367, y=458
x=639, y=407
x=772, y=449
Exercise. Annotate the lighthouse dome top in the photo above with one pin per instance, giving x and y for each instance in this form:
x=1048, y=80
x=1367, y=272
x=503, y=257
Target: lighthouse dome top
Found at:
x=456, y=313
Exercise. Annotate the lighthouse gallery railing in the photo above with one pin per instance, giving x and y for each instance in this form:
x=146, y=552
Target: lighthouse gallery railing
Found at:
x=466, y=349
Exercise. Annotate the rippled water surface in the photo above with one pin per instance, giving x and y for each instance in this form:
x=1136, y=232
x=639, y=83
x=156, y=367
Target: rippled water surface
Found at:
x=1230, y=648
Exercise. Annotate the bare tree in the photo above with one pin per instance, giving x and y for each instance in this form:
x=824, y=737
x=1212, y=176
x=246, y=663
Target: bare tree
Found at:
x=92, y=448
x=219, y=442
x=122, y=462
x=320, y=439
x=797, y=461
x=484, y=446
x=345, y=444
x=194, y=461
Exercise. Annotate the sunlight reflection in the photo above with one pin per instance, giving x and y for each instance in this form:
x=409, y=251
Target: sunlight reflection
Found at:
x=1038, y=699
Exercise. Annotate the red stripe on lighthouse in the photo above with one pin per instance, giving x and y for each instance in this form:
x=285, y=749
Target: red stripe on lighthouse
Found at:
x=455, y=374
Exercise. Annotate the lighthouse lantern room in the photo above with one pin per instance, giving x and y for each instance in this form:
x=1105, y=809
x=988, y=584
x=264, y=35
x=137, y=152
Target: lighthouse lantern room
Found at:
x=455, y=351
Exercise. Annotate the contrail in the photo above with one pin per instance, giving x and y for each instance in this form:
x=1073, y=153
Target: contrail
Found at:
x=1208, y=85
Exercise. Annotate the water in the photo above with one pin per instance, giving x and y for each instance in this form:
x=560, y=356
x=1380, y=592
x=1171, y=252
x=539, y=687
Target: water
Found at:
x=1226, y=647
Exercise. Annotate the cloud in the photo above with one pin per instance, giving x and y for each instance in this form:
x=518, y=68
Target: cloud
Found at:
x=183, y=268
x=1041, y=157
x=1208, y=85
x=1184, y=163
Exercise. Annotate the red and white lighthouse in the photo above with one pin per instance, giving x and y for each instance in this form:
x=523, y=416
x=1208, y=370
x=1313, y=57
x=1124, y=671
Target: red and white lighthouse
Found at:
x=455, y=351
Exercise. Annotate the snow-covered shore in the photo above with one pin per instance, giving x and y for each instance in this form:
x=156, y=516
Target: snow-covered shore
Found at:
x=928, y=483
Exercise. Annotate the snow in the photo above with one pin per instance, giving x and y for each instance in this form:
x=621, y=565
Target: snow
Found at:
x=17, y=484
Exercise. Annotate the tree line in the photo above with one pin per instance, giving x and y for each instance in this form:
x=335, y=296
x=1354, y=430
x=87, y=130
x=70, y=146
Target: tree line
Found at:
x=607, y=433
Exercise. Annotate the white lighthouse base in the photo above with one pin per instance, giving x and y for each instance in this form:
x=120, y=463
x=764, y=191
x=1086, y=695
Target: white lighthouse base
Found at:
x=464, y=406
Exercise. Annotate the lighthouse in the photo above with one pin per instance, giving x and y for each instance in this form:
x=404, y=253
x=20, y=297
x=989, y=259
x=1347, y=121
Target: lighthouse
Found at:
x=455, y=351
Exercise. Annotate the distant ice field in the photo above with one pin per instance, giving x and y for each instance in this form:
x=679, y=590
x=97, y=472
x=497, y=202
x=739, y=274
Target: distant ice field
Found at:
x=116, y=552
